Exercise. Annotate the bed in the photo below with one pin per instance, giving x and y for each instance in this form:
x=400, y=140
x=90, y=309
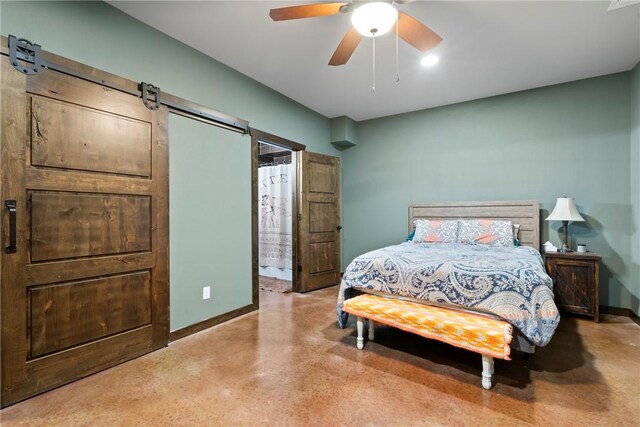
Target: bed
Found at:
x=508, y=283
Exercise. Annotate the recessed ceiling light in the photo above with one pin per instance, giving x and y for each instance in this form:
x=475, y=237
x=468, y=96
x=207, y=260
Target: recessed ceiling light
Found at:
x=429, y=60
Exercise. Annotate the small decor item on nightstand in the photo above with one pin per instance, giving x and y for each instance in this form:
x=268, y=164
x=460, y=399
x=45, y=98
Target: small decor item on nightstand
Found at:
x=565, y=211
x=582, y=248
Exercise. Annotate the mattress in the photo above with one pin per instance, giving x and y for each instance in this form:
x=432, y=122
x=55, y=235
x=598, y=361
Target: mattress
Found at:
x=508, y=282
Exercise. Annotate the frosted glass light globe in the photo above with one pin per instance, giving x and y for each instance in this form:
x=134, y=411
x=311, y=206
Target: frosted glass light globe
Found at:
x=374, y=19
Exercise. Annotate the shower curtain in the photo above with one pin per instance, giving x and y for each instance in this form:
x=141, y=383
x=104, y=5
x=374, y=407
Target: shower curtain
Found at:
x=274, y=215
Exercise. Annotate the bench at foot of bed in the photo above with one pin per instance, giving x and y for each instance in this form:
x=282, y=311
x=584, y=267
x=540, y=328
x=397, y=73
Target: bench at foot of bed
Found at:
x=475, y=332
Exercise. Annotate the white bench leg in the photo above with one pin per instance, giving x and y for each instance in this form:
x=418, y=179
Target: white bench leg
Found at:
x=372, y=333
x=360, y=341
x=487, y=371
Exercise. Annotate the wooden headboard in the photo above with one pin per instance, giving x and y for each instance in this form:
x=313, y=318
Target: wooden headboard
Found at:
x=523, y=212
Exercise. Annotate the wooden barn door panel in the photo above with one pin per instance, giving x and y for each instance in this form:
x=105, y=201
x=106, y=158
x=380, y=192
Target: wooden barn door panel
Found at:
x=87, y=287
x=68, y=314
x=72, y=225
x=68, y=136
x=319, y=224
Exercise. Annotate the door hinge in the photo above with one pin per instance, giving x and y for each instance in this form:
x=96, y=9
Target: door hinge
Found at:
x=24, y=50
x=299, y=217
x=150, y=95
x=299, y=268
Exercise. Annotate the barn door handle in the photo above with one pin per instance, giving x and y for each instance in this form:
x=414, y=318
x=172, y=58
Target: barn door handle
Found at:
x=11, y=206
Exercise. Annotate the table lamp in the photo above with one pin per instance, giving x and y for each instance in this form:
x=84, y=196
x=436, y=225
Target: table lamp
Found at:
x=565, y=210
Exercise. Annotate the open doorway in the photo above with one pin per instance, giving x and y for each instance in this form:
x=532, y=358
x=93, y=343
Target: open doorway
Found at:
x=276, y=193
x=275, y=213
x=315, y=215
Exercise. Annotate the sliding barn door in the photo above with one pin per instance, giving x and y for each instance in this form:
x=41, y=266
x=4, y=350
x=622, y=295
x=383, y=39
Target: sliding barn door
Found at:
x=319, y=221
x=84, y=230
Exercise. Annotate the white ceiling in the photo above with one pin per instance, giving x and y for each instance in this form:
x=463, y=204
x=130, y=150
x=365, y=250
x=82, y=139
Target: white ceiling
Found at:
x=488, y=48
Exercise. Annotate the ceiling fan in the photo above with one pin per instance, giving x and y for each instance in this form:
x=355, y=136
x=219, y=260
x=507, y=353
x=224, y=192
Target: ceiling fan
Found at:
x=370, y=19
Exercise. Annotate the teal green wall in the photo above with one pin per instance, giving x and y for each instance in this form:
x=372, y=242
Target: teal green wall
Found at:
x=210, y=224
x=635, y=185
x=564, y=140
x=210, y=244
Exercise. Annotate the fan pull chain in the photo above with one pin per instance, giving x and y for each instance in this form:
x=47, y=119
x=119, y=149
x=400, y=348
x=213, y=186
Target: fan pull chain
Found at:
x=374, y=63
x=397, y=55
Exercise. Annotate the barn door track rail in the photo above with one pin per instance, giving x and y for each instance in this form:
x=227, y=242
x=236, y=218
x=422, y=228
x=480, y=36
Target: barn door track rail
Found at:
x=29, y=58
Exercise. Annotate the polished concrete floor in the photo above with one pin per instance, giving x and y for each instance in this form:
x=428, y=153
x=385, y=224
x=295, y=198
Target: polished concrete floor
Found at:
x=289, y=364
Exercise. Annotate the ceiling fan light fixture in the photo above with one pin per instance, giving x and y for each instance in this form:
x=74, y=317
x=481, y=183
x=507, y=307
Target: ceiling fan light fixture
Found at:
x=374, y=19
x=430, y=60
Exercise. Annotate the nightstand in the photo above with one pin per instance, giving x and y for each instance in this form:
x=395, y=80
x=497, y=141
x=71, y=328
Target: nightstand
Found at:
x=575, y=281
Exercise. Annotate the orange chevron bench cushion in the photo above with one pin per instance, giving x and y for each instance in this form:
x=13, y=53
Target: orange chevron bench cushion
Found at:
x=483, y=335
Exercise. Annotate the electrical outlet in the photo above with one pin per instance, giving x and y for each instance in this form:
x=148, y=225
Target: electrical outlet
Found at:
x=206, y=292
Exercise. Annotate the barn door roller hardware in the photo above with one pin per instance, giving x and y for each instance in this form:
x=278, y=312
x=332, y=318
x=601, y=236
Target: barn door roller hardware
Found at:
x=27, y=52
x=24, y=50
x=150, y=95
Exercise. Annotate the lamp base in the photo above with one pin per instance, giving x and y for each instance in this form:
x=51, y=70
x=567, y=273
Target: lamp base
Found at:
x=565, y=245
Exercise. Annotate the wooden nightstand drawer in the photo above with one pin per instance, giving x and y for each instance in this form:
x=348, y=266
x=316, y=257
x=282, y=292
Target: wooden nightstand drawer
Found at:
x=575, y=279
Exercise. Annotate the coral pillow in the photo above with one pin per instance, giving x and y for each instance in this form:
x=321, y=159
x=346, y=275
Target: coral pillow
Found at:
x=435, y=231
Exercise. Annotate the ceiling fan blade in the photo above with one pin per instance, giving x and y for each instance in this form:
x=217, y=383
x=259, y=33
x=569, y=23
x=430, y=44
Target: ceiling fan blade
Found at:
x=416, y=33
x=305, y=11
x=346, y=47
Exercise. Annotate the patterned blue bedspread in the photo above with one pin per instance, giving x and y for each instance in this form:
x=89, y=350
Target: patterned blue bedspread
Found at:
x=509, y=282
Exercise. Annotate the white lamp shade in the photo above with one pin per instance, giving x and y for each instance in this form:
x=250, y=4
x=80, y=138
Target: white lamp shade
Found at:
x=374, y=19
x=565, y=210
